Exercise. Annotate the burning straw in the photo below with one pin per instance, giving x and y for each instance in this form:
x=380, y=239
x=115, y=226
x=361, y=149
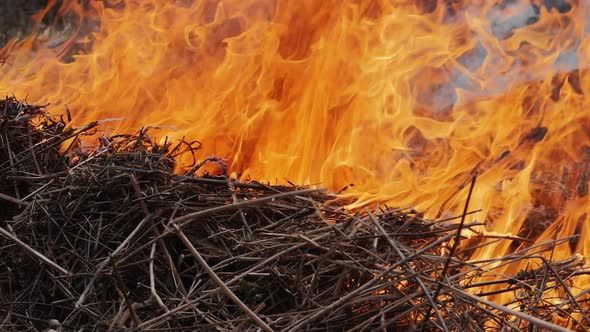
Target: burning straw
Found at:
x=114, y=239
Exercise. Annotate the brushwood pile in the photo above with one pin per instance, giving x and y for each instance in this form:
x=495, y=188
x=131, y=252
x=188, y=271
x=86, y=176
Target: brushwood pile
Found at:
x=113, y=238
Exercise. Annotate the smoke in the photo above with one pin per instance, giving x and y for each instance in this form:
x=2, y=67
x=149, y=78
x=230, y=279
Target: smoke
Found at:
x=494, y=66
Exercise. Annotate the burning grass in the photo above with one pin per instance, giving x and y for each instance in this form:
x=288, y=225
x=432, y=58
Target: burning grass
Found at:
x=113, y=239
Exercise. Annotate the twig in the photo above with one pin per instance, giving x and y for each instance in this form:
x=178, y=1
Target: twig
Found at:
x=14, y=200
x=452, y=251
x=431, y=299
x=34, y=252
x=121, y=287
x=220, y=282
x=533, y=320
x=107, y=260
x=240, y=205
x=153, y=280
x=298, y=325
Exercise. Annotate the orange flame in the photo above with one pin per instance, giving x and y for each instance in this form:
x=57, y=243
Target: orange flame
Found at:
x=405, y=99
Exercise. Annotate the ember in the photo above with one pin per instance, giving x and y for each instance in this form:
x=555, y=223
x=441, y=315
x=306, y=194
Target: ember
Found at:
x=401, y=102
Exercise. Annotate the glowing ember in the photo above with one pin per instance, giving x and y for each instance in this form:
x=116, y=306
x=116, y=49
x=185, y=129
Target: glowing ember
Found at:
x=405, y=99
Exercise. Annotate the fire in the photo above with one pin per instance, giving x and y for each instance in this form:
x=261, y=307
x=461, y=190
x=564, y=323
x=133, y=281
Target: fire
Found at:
x=404, y=99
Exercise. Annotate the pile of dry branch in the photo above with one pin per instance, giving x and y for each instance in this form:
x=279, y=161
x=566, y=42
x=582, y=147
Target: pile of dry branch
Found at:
x=113, y=239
